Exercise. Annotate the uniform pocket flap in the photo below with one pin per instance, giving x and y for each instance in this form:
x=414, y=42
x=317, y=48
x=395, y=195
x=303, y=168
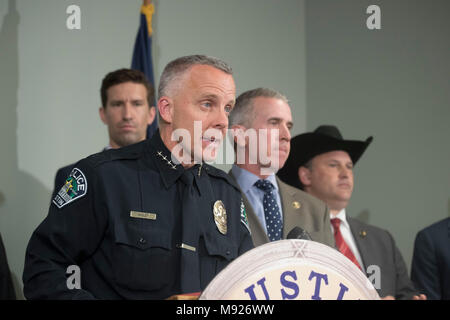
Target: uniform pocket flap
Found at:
x=143, y=239
x=221, y=247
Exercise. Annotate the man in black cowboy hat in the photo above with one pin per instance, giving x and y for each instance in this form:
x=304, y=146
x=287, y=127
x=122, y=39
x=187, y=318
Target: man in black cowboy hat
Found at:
x=321, y=163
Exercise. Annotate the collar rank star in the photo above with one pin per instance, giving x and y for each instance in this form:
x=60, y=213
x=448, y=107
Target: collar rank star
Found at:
x=169, y=163
x=74, y=188
x=220, y=216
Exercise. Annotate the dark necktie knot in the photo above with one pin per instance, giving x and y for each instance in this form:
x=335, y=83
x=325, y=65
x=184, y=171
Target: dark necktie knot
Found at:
x=264, y=185
x=336, y=223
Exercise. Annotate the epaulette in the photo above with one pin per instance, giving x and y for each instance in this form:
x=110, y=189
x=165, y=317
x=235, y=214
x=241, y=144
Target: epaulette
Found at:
x=125, y=153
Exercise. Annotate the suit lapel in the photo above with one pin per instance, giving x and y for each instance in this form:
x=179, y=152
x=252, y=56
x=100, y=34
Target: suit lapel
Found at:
x=259, y=235
x=360, y=235
x=290, y=217
x=293, y=212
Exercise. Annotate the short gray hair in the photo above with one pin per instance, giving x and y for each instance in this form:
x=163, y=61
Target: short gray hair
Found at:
x=177, y=67
x=242, y=112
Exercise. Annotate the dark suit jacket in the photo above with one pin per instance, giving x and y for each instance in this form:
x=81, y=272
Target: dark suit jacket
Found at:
x=377, y=247
x=6, y=284
x=430, y=270
x=299, y=209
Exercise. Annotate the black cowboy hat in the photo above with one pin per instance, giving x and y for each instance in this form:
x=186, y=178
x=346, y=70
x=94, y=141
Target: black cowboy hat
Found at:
x=306, y=146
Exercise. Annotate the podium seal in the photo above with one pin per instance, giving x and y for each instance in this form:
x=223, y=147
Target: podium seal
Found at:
x=291, y=270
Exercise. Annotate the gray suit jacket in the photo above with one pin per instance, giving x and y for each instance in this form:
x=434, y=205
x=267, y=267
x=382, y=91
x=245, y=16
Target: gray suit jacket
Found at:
x=299, y=209
x=377, y=247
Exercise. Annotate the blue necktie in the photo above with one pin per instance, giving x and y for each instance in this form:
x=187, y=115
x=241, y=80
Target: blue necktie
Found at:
x=271, y=210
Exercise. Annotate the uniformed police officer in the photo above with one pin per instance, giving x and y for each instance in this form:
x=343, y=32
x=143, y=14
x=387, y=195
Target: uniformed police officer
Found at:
x=152, y=219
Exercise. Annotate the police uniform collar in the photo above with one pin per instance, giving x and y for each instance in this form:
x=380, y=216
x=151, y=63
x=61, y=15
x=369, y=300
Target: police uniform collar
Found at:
x=170, y=172
x=222, y=175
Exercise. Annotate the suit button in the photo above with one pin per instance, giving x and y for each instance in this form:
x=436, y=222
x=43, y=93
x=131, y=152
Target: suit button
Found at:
x=142, y=241
x=228, y=252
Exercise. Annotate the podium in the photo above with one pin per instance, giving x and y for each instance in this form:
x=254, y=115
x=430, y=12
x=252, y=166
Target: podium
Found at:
x=291, y=270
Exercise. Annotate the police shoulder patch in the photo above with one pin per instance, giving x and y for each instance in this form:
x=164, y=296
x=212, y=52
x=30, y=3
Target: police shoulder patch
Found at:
x=244, y=219
x=74, y=188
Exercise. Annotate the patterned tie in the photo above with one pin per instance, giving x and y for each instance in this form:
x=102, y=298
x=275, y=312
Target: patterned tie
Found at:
x=271, y=210
x=340, y=242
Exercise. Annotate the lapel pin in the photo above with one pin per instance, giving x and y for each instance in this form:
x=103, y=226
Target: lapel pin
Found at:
x=296, y=205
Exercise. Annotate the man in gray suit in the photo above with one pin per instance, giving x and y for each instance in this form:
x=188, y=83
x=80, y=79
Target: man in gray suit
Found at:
x=322, y=164
x=261, y=122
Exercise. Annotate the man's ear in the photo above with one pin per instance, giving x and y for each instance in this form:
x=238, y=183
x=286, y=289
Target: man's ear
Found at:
x=165, y=108
x=239, y=135
x=304, y=175
x=101, y=112
x=151, y=114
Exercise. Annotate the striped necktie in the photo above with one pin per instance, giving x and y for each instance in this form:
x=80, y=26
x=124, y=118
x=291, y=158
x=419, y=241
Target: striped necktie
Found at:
x=340, y=242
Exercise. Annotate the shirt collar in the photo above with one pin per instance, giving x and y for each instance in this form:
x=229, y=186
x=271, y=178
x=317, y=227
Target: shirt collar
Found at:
x=342, y=215
x=246, y=179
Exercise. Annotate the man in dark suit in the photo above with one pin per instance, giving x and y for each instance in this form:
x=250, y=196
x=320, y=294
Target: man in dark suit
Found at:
x=430, y=270
x=262, y=118
x=126, y=110
x=322, y=164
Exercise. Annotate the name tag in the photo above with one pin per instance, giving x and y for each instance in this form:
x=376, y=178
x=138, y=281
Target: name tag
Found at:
x=143, y=215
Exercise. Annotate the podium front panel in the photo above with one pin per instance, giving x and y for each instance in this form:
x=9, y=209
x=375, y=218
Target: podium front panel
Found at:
x=288, y=270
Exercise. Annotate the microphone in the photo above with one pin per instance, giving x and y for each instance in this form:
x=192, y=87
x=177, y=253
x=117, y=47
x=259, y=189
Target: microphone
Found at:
x=298, y=233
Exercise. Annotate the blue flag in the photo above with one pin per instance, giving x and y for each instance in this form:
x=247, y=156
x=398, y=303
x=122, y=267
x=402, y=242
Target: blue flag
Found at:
x=142, y=54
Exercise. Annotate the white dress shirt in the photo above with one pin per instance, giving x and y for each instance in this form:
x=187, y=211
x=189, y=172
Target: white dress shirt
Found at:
x=347, y=235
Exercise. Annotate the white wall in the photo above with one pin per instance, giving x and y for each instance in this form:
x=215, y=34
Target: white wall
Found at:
x=50, y=80
x=263, y=40
x=393, y=84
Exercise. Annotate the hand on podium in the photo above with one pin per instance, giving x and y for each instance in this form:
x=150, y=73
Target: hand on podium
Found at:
x=185, y=296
